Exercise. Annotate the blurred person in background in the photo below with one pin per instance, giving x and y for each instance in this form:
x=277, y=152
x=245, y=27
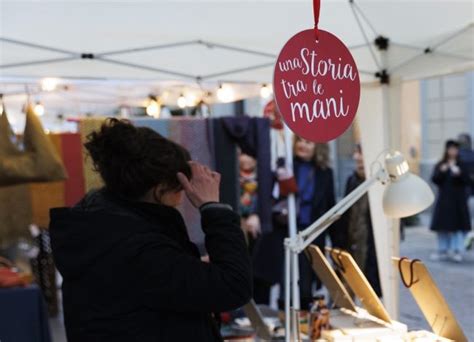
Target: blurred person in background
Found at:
x=353, y=232
x=451, y=220
x=315, y=196
x=466, y=156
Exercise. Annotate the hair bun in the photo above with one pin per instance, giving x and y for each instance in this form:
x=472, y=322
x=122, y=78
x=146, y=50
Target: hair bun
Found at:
x=131, y=160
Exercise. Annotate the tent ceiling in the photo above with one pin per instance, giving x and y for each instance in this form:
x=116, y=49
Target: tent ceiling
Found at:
x=98, y=27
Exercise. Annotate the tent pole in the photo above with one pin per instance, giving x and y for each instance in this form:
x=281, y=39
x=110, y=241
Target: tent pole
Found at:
x=237, y=49
x=147, y=68
x=37, y=46
x=293, y=261
x=454, y=35
x=235, y=71
x=44, y=61
x=366, y=38
x=148, y=48
x=430, y=49
x=362, y=14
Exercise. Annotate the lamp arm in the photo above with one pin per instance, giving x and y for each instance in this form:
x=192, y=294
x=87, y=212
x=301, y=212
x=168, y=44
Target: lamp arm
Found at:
x=307, y=236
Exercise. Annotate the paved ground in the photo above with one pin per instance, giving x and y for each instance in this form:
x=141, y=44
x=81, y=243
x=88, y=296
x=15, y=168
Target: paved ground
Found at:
x=456, y=282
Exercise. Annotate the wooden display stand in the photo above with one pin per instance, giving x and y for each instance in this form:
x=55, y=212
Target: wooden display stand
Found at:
x=372, y=322
x=416, y=277
x=350, y=322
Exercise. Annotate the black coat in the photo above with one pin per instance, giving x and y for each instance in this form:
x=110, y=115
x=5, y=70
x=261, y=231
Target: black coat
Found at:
x=132, y=274
x=451, y=212
x=339, y=233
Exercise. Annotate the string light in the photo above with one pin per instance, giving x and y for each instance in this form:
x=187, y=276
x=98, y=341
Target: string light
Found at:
x=225, y=93
x=265, y=91
x=39, y=109
x=182, y=101
x=191, y=100
x=153, y=108
x=49, y=84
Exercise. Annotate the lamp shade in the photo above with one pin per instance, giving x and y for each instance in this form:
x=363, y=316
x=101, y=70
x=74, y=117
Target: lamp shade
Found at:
x=406, y=194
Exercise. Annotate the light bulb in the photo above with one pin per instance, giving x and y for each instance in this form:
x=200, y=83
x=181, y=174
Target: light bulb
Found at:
x=181, y=101
x=225, y=93
x=191, y=100
x=39, y=109
x=153, y=108
x=49, y=83
x=265, y=91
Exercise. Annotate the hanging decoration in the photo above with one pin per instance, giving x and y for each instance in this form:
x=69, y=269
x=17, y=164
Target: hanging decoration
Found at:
x=37, y=162
x=316, y=84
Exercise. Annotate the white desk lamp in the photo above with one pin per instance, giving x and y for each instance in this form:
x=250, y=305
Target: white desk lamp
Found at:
x=405, y=194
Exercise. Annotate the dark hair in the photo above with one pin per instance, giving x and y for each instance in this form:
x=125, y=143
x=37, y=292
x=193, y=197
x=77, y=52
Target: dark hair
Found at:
x=132, y=160
x=447, y=145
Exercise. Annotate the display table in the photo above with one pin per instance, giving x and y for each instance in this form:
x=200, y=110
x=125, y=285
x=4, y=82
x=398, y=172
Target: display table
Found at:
x=23, y=315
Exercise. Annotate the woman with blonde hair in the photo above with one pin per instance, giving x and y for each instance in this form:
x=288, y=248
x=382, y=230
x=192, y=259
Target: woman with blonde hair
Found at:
x=315, y=196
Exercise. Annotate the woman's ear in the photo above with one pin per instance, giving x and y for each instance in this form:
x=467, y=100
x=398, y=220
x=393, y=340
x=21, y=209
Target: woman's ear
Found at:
x=157, y=193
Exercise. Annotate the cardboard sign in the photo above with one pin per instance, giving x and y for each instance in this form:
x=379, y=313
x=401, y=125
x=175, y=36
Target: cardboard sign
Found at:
x=316, y=86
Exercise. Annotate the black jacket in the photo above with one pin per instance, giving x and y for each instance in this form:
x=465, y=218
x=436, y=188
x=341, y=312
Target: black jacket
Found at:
x=451, y=211
x=132, y=274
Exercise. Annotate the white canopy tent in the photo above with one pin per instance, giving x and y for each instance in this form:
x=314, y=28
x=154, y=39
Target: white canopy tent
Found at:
x=186, y=46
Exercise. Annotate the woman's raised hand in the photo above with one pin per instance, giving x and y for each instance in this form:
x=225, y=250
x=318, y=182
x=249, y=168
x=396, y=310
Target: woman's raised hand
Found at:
x=203, y=186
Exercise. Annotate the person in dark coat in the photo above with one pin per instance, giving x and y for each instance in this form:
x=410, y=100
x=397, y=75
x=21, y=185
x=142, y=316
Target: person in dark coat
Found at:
x=451, y=219
x=130, y=271
x=353, y=232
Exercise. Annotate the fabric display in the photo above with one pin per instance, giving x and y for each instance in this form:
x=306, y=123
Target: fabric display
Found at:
x=15, y=213
x=46, y=195
x=226, y=163
x=72, y=155
x=213, y=142
x=25, y=204
x=252, y=135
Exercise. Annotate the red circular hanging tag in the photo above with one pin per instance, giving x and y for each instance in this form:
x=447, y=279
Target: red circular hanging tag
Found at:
x=316, y=86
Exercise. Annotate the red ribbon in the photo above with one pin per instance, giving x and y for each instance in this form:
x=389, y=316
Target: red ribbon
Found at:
x=316, y=8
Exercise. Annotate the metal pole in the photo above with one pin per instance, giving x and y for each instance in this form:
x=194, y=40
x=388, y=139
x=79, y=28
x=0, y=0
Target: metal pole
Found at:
x=295, y=294
x=287, y=290
x=369, y=44
x=147, y=48
x=147, y=68
x=237, y=49
x=37, y=46
x=43, y=61
x=235, y=71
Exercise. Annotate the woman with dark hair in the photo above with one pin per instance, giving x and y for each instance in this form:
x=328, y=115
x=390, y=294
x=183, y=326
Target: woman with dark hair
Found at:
x=451, y=218
x=130, y=271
